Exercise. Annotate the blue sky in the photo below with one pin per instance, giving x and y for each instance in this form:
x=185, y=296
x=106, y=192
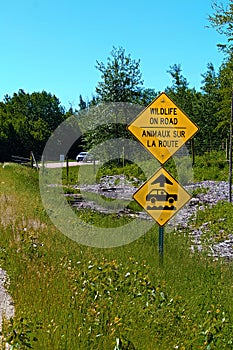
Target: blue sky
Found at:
x=53, y=45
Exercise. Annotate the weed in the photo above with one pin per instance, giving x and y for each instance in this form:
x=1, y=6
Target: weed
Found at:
x=18, y=334
x=200, y=190
x=69, y=296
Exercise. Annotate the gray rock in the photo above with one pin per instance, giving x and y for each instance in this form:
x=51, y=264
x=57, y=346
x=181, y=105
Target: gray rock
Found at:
x=208, y=194
x=6, y=302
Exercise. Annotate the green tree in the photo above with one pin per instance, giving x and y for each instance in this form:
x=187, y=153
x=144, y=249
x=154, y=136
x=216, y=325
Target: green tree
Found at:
x=82, y=104
x=28, y=120
x=181, y=94
x=178, y=90
x=222, y=21
x=121, y=78
x=147, y=96
x=121, y=84
x=189, y=100
x=223, y=112
x=209, y=105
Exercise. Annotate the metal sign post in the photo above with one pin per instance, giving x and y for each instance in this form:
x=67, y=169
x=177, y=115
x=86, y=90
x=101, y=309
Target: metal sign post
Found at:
x=161, y=244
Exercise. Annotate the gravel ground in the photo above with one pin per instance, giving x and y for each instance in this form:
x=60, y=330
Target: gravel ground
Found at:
x=210, y=192
x=215, y=191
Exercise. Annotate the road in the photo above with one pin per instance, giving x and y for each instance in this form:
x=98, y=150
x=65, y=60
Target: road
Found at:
x=63, y=164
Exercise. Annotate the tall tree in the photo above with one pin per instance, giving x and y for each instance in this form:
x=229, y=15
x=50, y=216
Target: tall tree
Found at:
x=209, y=105
x=179, y=88
x=121, y=78
x=223, y=112
x=82, y=104
x=180, y=92
x=222, y=21
x=189, y=100
x=121, y=84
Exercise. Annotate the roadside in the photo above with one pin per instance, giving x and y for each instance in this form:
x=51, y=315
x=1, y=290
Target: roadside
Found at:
x=206, y=194
x=6, y=302
x=53, y=165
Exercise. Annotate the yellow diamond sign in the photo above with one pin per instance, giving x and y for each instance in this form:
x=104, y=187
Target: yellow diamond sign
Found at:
x=163, y=128
x=161, y=196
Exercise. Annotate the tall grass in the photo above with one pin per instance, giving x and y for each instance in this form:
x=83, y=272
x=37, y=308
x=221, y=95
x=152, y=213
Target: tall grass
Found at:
x=69, y=296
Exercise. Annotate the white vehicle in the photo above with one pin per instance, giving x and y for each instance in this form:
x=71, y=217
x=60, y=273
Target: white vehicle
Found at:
x=82, y=157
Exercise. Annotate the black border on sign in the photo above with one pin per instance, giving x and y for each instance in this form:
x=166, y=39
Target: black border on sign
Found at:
x=161, y=93
x=162, y=168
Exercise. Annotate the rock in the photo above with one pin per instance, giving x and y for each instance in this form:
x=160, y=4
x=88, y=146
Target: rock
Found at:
x=194, y=201
x=6, y=303
x=207, y=193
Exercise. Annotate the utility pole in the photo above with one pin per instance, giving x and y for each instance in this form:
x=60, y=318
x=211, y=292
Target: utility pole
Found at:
x=230, y=151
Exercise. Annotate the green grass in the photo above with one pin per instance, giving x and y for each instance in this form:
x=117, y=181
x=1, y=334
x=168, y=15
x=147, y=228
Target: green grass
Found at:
x=211, y=166
x=70, y=296
x=219, y=224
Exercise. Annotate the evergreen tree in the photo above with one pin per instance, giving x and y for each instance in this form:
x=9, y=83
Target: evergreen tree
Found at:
x=208, y=120
x=225, y=98
x=179, y=88
x=82, y=104
x=222, y=21
x=181, y=94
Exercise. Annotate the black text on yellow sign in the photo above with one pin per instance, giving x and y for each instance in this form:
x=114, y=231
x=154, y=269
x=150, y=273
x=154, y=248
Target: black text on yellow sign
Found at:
x=163, y=128
x=161, y=196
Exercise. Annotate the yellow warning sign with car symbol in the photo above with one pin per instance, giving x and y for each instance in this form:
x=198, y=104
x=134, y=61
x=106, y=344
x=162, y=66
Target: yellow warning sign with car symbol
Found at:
x=161, y=196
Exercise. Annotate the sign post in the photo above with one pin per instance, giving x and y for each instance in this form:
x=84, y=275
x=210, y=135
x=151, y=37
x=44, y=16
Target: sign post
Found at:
x=161, y=243
x=230, y=151
x=162, y=128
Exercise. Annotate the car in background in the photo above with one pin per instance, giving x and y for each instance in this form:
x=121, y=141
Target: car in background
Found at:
x=82, y=157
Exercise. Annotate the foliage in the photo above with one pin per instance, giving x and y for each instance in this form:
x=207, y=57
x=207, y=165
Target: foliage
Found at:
x=193, y=104
x=69, y=296
x=114, y=167
x=209, y=105
x=121, y=78
x=223, y=111
x=18, y=334
x=119, y=91
x=179, y=91
x=27, y=121
x=222, y=21
x=211, y=166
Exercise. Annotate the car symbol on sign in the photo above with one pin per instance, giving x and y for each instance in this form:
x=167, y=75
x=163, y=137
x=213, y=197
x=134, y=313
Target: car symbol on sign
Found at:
x=160, y=195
